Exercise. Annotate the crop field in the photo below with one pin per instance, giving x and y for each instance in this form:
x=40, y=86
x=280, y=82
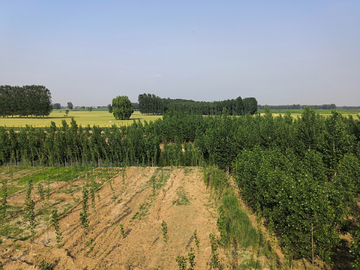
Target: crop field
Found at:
x=100, y=118
x=137, y=218
x=103, y=118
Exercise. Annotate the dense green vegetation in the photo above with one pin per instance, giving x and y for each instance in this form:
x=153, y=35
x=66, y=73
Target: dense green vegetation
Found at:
x=121, y=108
x=24, y=101
x=302, y=175
x=152, y=104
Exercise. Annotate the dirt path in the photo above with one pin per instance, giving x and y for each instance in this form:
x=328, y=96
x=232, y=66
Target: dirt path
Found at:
x=125, y=230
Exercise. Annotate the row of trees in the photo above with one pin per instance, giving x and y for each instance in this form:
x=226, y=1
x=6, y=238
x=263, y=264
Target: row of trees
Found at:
x=298, y=107
x=28, y=100
x=152, y=104
x=70, y=106
x=73, y=144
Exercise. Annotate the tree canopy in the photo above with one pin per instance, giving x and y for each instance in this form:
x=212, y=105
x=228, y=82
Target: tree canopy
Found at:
x=122, y=108
x=24, y=101
x=152, y=104
x=57, y=106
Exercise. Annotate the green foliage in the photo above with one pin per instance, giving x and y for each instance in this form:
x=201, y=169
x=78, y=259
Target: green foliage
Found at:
x=164, y=229
x=215, y=262
x=197, y=240
x=233, y=222
x=355, y=250
x=250, y=105
x=70, y=106
x=29, y=189
x=122, y=231
x=30, y=213
x=191, y=258
x=73, y=145
x=41, y=191
x=122, y=108
x=181, y=262
x=294, y=195
x=30, y=207
x=152, y=104
x=88, y=243
x=300, y=171
x=55, y=223
x=92, y=195
x=4, y=192
x=85, y=207
x=24, y=101
x=183, y=199
x=45, y=266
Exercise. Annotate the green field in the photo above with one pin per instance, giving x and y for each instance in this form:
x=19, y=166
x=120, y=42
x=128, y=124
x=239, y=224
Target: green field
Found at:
x=100, y=118
x=103, y=118
x=297, y=113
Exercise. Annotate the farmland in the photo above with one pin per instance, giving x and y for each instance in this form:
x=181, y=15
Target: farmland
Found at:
x=103, y=118
x=125, y=219
x=100, y=118
x=283, y=190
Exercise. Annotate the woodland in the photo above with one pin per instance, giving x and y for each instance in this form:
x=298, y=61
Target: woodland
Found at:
x=24, y=101
x=152, y=104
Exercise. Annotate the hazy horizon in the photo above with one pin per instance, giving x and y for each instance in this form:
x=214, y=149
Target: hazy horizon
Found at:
x=280, y=52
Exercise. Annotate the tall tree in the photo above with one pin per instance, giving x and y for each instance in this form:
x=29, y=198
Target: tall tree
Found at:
x=250, y=105
x=70, y=106
x=239, y=106
x=122, y=108
x=109, y=108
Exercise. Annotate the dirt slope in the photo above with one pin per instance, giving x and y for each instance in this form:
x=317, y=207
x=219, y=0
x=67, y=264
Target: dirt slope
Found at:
x=139, y=205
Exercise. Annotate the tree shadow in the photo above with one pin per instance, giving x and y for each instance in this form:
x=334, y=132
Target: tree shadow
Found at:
x=342, y=257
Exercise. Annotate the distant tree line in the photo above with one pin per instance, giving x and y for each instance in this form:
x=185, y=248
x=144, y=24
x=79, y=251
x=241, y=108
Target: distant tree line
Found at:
x=135, y=106
x=298, y=107
x=56, y=106
x=28, y=100
x=152, y=104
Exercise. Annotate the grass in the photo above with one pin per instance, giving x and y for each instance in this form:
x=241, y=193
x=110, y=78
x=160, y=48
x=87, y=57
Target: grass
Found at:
x=182, y=198
x=56, y=173
x=82, y=117
x=236, y=229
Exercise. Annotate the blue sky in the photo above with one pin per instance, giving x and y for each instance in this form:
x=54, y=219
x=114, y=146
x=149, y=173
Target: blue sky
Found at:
x=87, y=52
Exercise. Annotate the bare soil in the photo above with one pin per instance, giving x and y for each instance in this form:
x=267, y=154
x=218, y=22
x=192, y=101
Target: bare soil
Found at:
x=125, y=228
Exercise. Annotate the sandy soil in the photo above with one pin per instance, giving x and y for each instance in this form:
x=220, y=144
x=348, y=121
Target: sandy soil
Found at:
x=140, y=209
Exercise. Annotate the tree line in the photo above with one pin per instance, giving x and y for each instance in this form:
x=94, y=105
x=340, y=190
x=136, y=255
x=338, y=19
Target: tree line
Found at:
x=75, y=145
x=152, y=104
x=28, y=100
x=298, y=107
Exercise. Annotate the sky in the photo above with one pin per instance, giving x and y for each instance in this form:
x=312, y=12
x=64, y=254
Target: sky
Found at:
x=88, y=52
